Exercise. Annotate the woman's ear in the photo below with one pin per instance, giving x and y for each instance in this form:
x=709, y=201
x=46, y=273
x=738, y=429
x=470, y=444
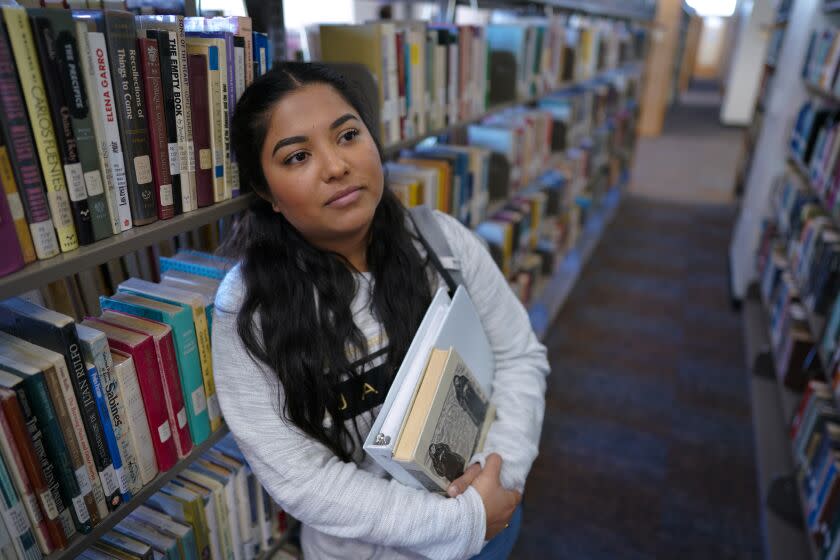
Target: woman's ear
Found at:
x=268, y=198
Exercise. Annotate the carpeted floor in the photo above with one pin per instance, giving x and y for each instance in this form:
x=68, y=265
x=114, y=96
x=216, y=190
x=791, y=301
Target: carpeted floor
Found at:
x=647, y=446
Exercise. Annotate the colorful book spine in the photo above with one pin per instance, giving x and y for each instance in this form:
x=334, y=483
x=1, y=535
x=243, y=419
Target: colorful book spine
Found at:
x=169, y=263
x=30, y=447
x=71, y=77
x=186, y=351
x=17, y=472
x=32, y=85
x=202, y=149
x=215, y=115
x=58, y=333
x=12, y=258
x=110, y=438
x=95, y=350
x=151, y=388
x=7, y=177
x=158, y=136
x=15, y=518
x=33, y=392
x=23, y=159
x=46, y=41
x=108, y=131
x=121, y=36
x=172, y=110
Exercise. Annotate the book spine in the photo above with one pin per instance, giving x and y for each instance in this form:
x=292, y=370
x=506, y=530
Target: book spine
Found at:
x=227, y=74
x=26, y=59
x=129, y=475
x=168, y=263
x=110, y=140
x=70, y=422
x=173, y=111
x=110, y=438
x=7, y=177
x=120, y=34
x=137, y=424
x=14, y=516
x=78, y=100
x=150, y=61
x=59, y=110
x=12, y=257
x=151, y=388
x=35, y=392
x=217, y=139
x=30, y=447
x=168, y=367
x=205, y=354
x=187, y=148
x=23, y=159
x=14, y=462
x=202, y=150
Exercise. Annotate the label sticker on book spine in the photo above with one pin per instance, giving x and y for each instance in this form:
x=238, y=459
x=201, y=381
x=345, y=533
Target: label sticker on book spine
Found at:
x=165, y=195
x=199, y=400
x=213, y=409
x=16, y=520
x=84, y=481
x=75, y=181
x=122, y=479
x=93, y=182
x=33, y=508
x=80, y=509
x=190, y=156
x=182, y=418
x=143, y=169
x=205, y=159
x=15, y=205
x=174, y=159
x=110, y=484
x=164, y=432
x=49, y=505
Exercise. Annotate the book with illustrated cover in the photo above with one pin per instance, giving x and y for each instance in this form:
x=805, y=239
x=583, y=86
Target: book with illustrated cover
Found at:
x=447, y=422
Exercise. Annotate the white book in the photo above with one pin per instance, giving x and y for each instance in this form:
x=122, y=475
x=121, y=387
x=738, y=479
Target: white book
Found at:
x=218, y=498
x=138, y=425
x=96, y=350
x=447, y=323
x=243, y=503
x=107, y=130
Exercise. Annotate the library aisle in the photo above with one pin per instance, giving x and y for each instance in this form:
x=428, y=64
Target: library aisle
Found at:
x=647, y=447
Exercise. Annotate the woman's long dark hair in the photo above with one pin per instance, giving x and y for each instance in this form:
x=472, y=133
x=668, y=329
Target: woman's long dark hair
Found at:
x=306, y=344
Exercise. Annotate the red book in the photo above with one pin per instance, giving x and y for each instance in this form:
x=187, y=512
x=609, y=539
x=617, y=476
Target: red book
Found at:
x=167, y=366
x=400, y=46
x=200, y=111
x=15, y=431
x=11, y=257
x=158, y=136
x=142, y=350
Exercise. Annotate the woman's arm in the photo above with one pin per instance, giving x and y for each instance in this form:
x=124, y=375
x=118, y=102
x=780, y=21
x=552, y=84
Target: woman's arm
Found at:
x=521, y=364
x=314, y=486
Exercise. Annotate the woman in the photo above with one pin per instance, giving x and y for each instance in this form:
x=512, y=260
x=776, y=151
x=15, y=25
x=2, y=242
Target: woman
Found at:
x=312, y=324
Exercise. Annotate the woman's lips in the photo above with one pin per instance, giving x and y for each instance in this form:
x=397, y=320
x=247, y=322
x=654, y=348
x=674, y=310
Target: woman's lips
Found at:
x=345, y=197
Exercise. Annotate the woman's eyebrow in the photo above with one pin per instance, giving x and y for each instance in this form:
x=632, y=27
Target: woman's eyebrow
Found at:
x=288, y=141
x=342, y=119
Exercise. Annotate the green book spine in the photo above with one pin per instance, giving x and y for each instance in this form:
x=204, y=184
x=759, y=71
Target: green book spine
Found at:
x=186, y=354
x=35, y=389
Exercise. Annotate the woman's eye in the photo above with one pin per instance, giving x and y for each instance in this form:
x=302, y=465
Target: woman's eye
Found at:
x=349, y=135
x=296, y=158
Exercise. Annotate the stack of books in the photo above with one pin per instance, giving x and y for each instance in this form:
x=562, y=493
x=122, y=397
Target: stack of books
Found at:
x=149, y=100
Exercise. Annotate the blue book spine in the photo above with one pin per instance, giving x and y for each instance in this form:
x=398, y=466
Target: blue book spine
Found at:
x=108, y=428
x=167, y=263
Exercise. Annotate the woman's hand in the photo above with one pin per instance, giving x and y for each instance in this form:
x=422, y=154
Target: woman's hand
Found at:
x=499, y=503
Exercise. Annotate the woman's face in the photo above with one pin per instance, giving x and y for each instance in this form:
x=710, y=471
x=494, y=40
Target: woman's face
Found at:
x=321, y=165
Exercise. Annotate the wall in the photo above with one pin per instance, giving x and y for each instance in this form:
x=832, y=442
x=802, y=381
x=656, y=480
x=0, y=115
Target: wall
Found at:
x=710, y=50
x=747, y=63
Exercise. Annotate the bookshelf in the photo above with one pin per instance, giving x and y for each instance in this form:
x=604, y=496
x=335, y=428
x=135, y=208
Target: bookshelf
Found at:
x=772, y=403
x=547, y=301
x=39, y=273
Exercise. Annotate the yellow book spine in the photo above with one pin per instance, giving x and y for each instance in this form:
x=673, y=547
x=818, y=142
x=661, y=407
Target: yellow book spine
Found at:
x=205, y=355
x=34, y=94
x=16, y=207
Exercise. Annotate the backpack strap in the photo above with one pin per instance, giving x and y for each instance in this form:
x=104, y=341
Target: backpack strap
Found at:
x=436, y=245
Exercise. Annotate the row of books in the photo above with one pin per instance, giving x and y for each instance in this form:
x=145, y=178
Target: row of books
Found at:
x=815, y=147
x=815, y=440
x=92, y=412
x=149, y=100
x=434, y=75
x=822, y=59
